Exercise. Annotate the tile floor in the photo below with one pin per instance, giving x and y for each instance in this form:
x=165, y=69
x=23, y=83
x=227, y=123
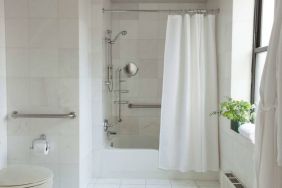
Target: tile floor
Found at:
x=151, y=183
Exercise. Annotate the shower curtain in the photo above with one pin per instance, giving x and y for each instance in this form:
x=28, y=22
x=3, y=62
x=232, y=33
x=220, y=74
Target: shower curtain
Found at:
x=268, y=150
x=189, y=135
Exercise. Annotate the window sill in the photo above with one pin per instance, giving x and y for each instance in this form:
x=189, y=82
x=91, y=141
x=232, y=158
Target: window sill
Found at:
x=242, y=140
x=248, y=132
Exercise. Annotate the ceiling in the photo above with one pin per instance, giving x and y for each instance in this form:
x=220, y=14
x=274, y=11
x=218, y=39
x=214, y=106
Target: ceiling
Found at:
x=158, y=1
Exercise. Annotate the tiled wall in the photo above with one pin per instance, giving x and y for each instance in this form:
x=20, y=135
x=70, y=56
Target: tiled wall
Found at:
x=42, y=72
x=3, y=99
x=236, y=152
x=144, y=45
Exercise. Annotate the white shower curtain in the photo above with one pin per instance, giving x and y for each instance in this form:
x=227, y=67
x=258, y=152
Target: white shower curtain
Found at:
x=189, y=135
x=268, y=150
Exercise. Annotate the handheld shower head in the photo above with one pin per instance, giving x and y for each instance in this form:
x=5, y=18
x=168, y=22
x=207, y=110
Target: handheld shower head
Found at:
x=123, y=33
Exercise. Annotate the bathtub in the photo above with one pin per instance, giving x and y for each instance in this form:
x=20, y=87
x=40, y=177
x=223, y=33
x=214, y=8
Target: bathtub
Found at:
x=139, y=163
x=134, y=142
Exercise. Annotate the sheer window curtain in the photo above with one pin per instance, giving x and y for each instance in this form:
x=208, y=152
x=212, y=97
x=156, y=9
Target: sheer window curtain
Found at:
x=189, y=135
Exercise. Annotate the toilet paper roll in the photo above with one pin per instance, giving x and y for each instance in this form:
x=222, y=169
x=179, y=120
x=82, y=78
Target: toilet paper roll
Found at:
x=40, y=147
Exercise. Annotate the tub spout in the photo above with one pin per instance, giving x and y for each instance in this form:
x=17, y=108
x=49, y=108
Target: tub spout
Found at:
x=109, y=133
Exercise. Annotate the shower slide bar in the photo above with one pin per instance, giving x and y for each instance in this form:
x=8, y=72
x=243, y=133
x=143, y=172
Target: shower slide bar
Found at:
x=71, y=115
x=144, y=106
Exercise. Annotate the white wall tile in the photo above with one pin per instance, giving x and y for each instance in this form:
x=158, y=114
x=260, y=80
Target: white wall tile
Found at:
x=68, y=33
x=148, y=29
x=14, y=85
x=68, y=91
x=17, y=62
x=68, y=8
x=43, y=63
x=128, y=48
x=16, y=8
x=43, y=33
x=148, y=49
x=68, y=63
x=43, y=9
x=16, y=32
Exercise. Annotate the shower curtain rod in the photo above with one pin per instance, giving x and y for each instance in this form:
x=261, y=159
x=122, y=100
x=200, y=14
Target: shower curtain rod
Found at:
x=199, y=11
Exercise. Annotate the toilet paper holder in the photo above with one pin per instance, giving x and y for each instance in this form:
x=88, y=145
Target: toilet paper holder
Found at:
x=42, y=137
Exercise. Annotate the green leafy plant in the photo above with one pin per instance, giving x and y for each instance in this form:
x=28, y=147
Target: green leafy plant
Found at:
x=237, y=111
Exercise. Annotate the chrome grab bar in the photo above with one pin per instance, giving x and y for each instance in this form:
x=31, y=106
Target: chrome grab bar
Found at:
x=144, y=106
x=71, y=115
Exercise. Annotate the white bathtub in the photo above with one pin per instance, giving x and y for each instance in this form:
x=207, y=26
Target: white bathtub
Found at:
x=134, y=142
x=140, y=163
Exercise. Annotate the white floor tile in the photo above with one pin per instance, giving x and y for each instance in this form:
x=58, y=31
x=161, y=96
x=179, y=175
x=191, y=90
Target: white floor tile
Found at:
x=108, y=181
x=158, y=186
x=133, y=186
x=183, y=182
x=208, y=183
x=184, y=186
x=158, y=182
x=133, y=181
x=92, y=181
x=150, y=183
x=104, y=186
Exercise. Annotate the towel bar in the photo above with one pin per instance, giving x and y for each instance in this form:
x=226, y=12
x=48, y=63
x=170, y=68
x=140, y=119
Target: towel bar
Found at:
x=71, y=115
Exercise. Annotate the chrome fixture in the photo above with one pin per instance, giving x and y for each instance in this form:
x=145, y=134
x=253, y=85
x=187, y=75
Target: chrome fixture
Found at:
x=109, y=59
x=120, y=91
x=188, y=11
x=42, y=137
x=144, y=106
x=107, y=125
x=123, y=33
x=110, y=133
x=109, y=82
x=131, y=69
x=16, y=114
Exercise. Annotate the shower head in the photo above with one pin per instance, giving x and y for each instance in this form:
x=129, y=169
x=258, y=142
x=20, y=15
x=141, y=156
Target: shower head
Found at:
x=123, y=33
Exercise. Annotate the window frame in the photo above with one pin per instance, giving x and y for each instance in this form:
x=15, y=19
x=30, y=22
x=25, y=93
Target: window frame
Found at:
x=257, y=48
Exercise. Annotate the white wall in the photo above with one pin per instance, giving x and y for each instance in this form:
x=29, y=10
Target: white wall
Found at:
x=234, y=60
x=85, y=93
x=43, y=77
x=3, y=97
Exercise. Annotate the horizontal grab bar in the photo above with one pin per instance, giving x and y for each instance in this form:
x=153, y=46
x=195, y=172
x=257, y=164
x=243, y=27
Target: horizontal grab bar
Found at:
x=144, y=106
x=71, y=115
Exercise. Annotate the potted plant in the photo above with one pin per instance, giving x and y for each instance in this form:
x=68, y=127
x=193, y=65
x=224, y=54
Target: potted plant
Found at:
x=238, y=111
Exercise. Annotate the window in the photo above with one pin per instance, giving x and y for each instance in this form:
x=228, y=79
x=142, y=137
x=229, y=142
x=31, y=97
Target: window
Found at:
x=264, y=15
